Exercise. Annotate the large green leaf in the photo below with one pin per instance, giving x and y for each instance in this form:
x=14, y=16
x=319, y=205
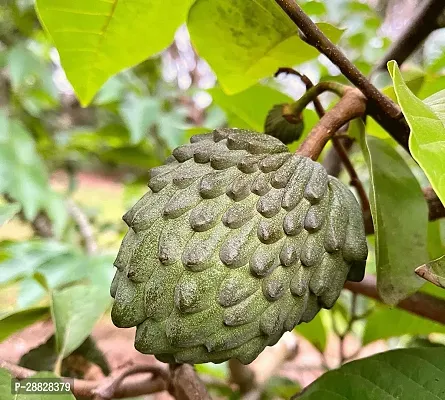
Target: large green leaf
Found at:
x=244, y=41
x=400, y=216
x=75, y=310
x=96, y=39
x=385, y=322
x=17, y=320
x=427, y=138
x=251, y=106
x=408, y=374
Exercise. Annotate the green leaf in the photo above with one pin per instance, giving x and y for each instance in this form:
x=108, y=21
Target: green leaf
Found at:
x=385, y=322
x=5, y=384
x=17, y=320
x=435, y=245
x=400, y=216
x=250, y=107
x=408, y=374
x=139, y=113
x=427, y=138
x=279, y=387
x=30, y=292
x=96, y=39
x=433, y=271
x=25, y=257
x=75, y=310
x=48, y=396
x=314, y=332
x=7, y=212
x=249, y=42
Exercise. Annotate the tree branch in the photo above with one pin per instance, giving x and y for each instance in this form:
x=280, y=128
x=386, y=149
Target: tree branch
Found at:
x=380, y=107
x=420, y=27
x=81, y=387
x=351, y=105
x=185, y=383
x=419, y=303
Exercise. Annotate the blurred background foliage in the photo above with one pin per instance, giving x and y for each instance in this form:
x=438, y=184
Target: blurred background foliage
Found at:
x=68, y=173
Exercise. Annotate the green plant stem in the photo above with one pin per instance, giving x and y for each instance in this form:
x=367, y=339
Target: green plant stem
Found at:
x=294, y=110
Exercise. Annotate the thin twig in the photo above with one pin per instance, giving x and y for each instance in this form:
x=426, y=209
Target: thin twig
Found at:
x=422, y=24
x=381, y=107
x=108, y=388
x=85, y=228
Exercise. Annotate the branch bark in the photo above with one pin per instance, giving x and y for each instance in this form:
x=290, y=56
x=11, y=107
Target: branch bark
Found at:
x=351, y=105
x=420, y=27
x=380, y=107
x=419, y=303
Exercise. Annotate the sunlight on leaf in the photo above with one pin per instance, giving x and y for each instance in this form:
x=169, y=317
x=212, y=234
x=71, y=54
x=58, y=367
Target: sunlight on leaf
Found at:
x=250, y=41
x=427, y=138
x=97, y=39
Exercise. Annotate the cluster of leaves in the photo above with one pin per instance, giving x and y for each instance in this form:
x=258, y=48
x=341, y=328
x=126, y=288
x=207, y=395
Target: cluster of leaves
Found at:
x=135, y=118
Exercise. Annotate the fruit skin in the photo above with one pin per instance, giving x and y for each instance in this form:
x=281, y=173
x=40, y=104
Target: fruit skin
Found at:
x=236, y=242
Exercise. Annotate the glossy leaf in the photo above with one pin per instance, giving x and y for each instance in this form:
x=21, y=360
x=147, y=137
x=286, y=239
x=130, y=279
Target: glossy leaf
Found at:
x=427, y=138
x=385, y=322
x=249, y=42
x=7, y=212
x=433, y=271
x=400, y=216
x=75, y=310
x=18, y=320
x=250, y=107
x=96, y=39
x=408, y=374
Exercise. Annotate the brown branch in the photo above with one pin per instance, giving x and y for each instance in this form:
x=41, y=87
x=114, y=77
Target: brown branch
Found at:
x=351, y=105
x=110, y=386
x=423, y=23
x=419, y=303
x=185, y=383
x=380, y=107
x=241, y=375
x=81, y=387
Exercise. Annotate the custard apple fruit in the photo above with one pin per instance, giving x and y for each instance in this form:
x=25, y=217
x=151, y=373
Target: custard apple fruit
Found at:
x=237, y=241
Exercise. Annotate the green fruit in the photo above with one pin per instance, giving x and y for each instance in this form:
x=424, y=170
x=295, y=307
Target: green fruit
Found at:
x=236, y=242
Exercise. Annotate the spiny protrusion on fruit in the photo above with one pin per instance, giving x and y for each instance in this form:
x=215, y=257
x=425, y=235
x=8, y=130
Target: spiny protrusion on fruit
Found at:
x=236, y=242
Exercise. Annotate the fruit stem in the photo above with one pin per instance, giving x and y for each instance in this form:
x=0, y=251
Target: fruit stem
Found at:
x=294, y=110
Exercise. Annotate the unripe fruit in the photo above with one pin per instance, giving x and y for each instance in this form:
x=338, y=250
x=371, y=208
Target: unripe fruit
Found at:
x=236, y=242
